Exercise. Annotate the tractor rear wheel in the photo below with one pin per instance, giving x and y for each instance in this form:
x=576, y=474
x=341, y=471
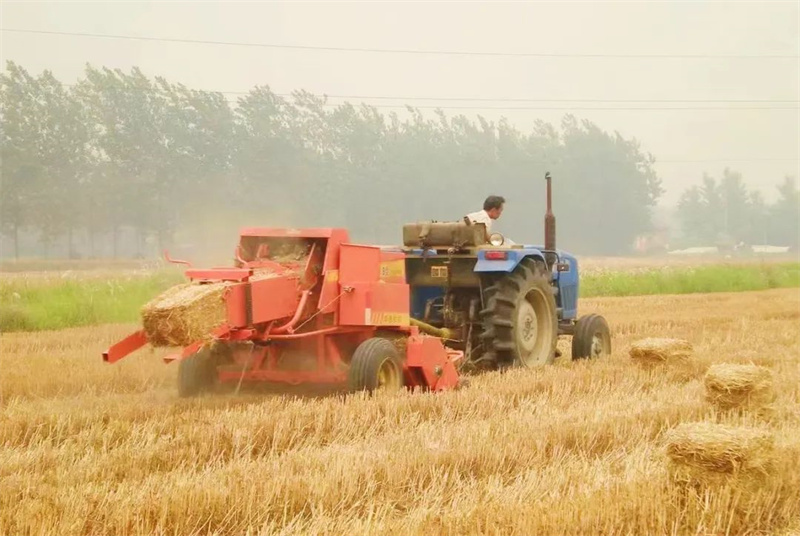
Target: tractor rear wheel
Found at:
x=520, y=324
x=376, y=364
x=592, y=338
x=196, y=374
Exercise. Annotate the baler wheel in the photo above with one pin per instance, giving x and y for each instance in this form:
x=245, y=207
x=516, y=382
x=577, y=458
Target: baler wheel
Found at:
x=196, y=374
x=375, y=365
x=519, y=320
x=592, y=338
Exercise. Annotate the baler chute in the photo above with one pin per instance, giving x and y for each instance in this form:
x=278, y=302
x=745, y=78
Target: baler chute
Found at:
x=306, y=306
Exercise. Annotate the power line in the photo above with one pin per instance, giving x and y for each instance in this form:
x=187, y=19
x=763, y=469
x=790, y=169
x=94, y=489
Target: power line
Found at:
x=407, y=51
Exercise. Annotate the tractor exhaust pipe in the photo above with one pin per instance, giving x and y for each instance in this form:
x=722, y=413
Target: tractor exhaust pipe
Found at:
x=549, y=223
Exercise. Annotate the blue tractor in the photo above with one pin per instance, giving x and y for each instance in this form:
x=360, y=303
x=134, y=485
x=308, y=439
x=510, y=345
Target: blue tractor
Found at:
x=503, y=305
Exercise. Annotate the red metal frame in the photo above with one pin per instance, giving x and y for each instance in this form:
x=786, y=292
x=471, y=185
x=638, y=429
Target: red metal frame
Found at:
x=313, y=314
x=290, y=325
x=175, y=261
x=219, y=274
x=126, y=346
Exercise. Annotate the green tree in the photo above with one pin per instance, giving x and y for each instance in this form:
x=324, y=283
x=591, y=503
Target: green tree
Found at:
x=609, y=182
x=785, y=214
x=726, y=213
x=736, y=206
x=21, y=166
x=65, y=155
x=134, y=144
x=157, y=157
x=692, y=215
x=758, y=229
x=45, y=156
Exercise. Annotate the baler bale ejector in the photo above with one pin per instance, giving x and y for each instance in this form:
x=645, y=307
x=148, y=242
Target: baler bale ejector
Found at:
x=300, y=307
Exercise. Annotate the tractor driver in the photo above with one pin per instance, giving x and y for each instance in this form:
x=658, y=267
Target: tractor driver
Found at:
x=492, y=209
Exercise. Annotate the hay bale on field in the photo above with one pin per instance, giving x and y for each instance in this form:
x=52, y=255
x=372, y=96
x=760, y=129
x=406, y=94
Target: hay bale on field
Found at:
x=730, y=386
x=706, y=452
x=657, y=351
x=184, y=314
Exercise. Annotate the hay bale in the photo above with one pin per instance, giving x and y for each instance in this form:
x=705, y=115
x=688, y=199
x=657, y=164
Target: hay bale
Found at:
x=185, y=314
x=706, y=452
x=730, y=386
x=658, y=351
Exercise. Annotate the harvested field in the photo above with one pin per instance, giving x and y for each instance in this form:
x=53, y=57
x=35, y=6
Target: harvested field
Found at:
x=575, y=448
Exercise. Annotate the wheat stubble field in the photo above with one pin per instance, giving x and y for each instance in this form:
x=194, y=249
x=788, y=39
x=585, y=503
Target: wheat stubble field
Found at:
x=576, y=448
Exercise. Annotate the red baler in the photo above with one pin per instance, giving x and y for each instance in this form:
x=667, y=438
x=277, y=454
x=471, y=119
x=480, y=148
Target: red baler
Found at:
x=336, y=313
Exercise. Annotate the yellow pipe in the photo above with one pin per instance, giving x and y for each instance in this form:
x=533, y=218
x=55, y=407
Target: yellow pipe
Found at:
x=442, y=333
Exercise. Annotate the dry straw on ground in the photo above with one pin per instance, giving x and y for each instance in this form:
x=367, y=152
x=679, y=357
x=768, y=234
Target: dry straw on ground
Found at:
x=706, y=451
x=654, y=351
x=572, y=448
x=730, y=386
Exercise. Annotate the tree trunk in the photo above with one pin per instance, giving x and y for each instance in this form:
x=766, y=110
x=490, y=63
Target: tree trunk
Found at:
x=114, y=239
x=139, y=242
x=162, y=240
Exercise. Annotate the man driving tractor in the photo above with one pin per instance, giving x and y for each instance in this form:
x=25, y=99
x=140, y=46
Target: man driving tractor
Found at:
x=492, y=209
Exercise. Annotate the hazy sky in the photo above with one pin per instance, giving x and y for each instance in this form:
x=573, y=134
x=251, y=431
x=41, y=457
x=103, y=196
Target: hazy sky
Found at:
x=763, y=144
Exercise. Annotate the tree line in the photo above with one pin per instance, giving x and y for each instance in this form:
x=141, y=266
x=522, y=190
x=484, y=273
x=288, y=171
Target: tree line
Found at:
x=120, y=152
x=724, y=212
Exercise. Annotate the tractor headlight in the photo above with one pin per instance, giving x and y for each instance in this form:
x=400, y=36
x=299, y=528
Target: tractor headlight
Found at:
x=496, y=239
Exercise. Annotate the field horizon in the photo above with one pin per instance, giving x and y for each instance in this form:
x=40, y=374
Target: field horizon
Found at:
x=53, y=299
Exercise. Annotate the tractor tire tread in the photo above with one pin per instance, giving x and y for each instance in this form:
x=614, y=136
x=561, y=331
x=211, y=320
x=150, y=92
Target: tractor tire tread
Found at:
x=499, y=307
x=585, y=329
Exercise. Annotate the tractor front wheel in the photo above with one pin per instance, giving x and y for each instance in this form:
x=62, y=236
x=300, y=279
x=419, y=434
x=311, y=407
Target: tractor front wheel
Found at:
x=376, y=364
x=520, y=324
x=196, y=374
x=592, y=338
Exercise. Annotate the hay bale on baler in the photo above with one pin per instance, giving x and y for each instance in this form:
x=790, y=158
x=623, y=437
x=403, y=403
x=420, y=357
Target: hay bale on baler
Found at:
x=190, y=312
x=185, y=313
x=655, y=351
x=707, y=452
x=731, y=386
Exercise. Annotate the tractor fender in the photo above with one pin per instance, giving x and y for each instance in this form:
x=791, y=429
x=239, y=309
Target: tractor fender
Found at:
x=512, y=259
